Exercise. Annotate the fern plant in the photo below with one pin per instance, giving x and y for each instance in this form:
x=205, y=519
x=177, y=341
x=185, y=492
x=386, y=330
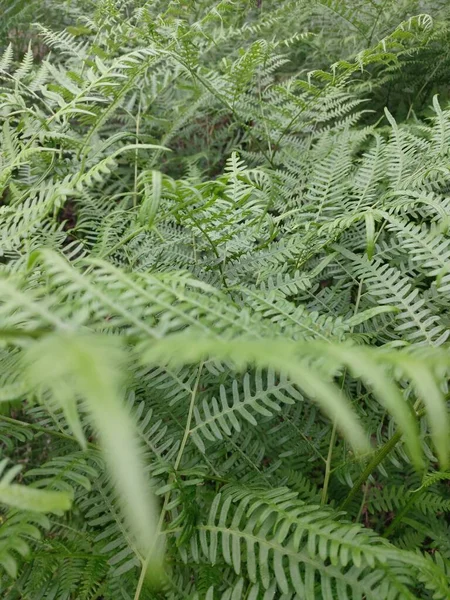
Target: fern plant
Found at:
x=224, y=317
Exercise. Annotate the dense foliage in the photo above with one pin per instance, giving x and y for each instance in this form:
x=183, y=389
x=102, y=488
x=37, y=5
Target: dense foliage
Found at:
x=224, y=299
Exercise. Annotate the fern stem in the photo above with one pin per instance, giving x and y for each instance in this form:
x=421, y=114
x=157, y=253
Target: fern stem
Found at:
x=146, y=562
x=136, y=155
x=334, y=430
x=373, y=464
x=363, y=501
x=399, y=516
x=124, y=241
x=187, y=431
x=375, y=23
x=328, y=464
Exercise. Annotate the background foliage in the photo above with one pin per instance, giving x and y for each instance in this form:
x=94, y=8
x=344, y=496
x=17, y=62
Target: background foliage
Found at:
x=224, y=314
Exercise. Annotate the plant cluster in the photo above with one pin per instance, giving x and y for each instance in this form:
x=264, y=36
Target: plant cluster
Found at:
x=224, y=300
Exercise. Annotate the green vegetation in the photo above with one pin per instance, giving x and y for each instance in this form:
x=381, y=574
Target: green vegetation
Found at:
x=224, y=300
